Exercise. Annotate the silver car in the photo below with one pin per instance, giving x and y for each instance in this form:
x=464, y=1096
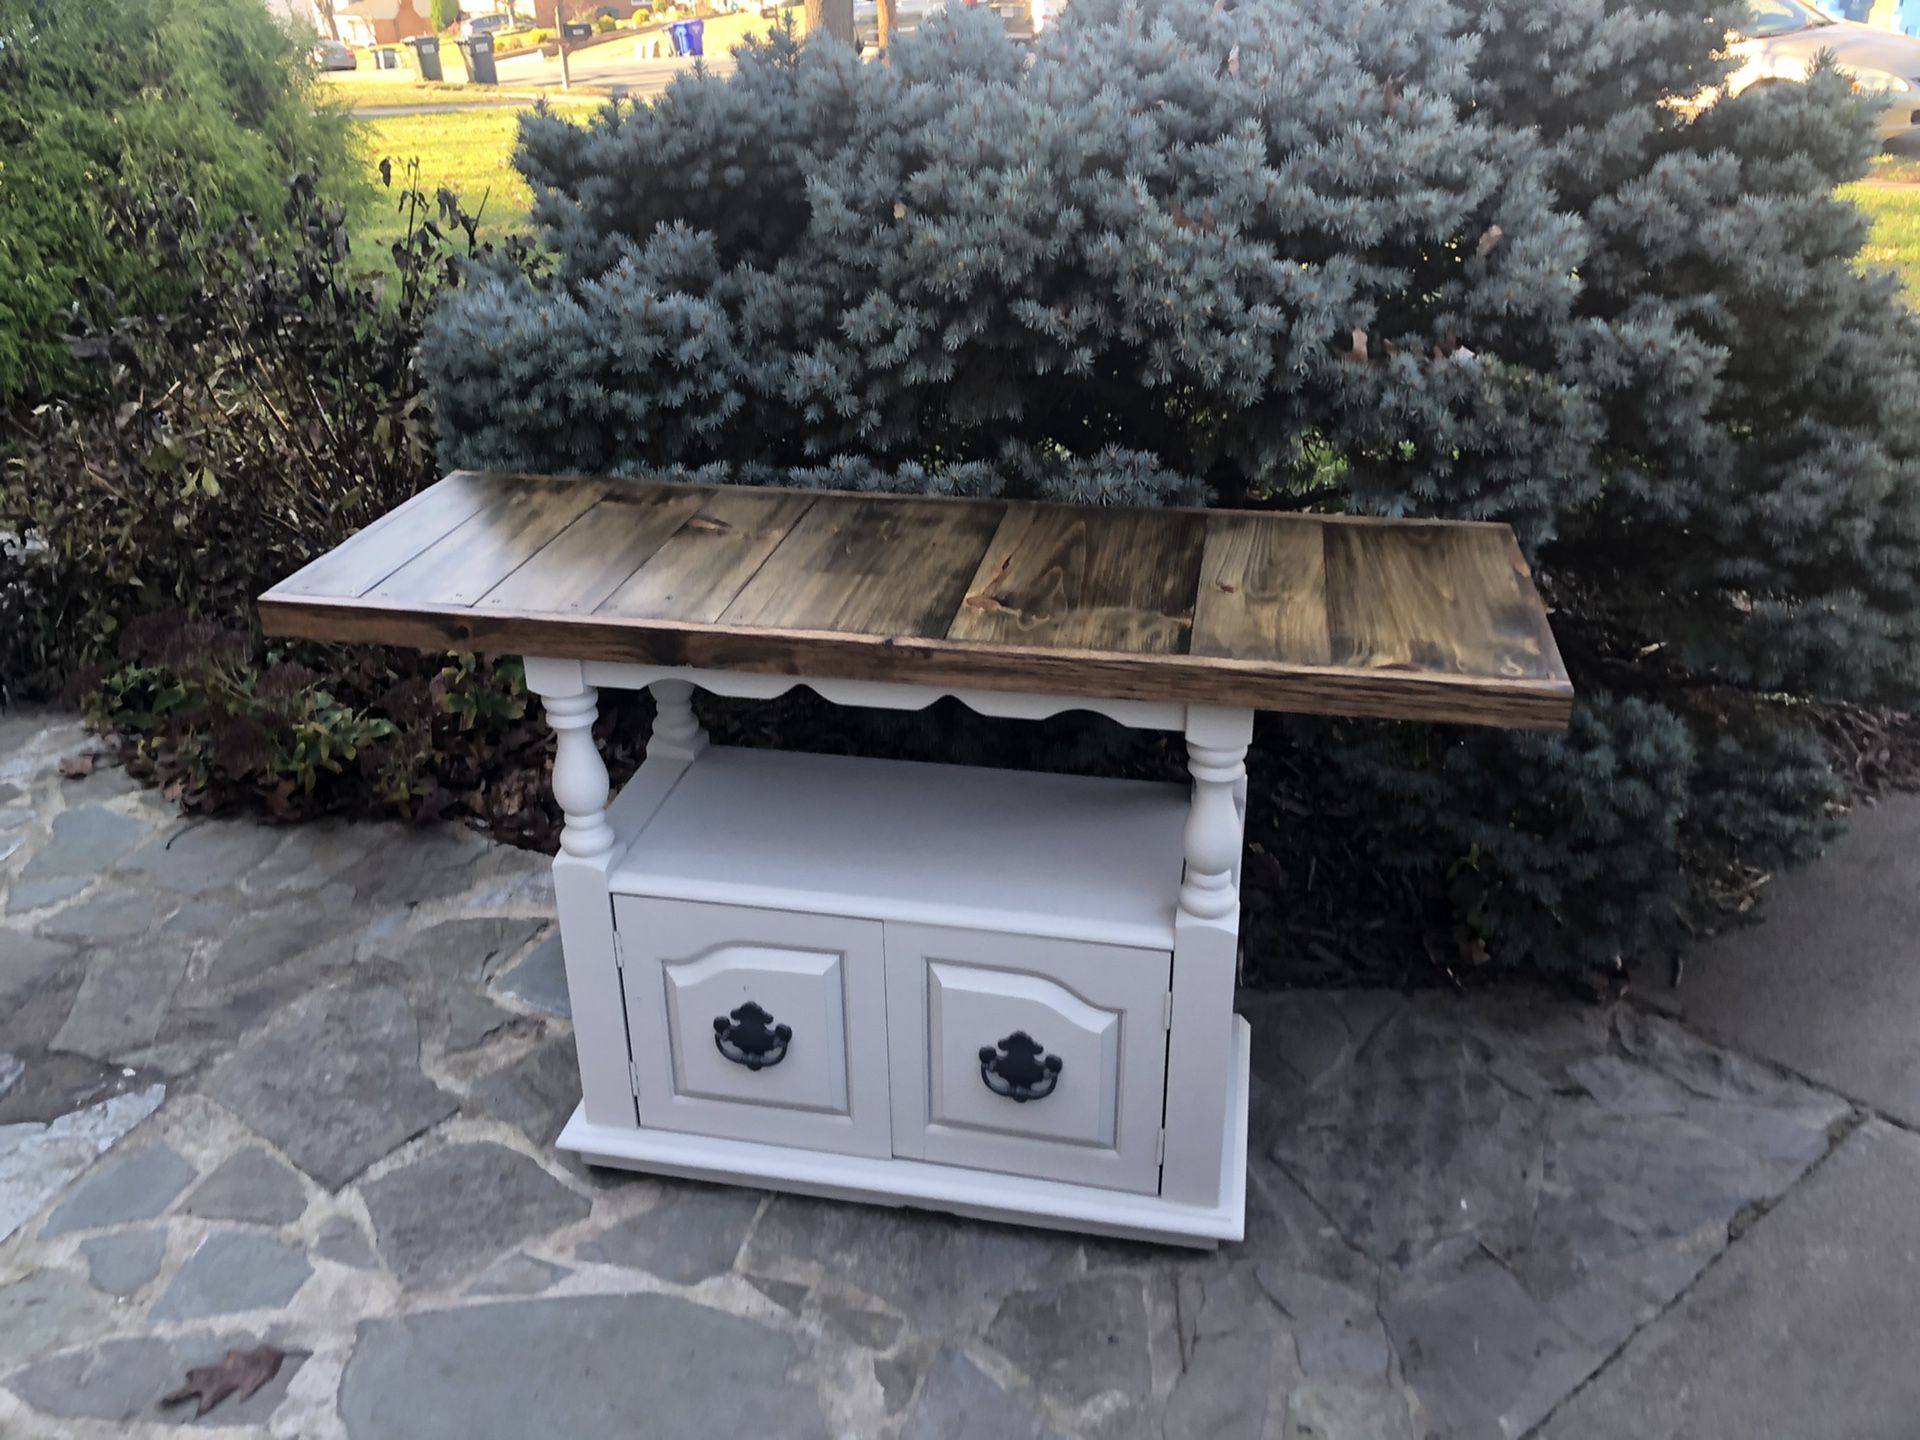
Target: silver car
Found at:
x=1782, y=37
x=332, y=55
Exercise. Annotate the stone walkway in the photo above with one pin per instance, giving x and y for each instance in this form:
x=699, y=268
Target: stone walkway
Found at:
x=300, y=1086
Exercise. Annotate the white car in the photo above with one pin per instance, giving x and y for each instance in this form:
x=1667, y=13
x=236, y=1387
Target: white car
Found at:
x=1782, y=37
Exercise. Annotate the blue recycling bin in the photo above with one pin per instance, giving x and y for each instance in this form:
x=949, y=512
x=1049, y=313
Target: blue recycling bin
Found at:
x=689, y=37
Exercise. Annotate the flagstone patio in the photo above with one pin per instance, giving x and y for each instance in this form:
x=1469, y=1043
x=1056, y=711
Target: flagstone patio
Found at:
x=301, y=1085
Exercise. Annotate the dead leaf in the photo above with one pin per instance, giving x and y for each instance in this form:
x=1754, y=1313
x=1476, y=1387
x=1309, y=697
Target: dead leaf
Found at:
x=1392, y=95
x=1488, y=241
x=1204, y=225
x=899, y=209
x=241, y=1373
x=1233, y=61
x=701, y=522
x=1359, y=345
x=78, y=767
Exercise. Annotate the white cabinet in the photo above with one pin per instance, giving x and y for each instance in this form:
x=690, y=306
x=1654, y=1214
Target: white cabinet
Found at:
x=982, y=991
x=1027, y=1056
x=757, y=1024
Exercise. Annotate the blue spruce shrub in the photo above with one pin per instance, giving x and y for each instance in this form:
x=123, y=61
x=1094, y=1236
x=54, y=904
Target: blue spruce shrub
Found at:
x=1415, y=257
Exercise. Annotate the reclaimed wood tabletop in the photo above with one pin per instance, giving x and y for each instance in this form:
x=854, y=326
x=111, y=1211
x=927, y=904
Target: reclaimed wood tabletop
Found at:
x=1316, y=614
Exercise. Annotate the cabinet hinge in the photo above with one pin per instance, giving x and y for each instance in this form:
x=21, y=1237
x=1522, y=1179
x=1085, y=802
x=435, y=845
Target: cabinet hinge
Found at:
x=1160, y=1149
x=633, y=1079
x=1166, y=1011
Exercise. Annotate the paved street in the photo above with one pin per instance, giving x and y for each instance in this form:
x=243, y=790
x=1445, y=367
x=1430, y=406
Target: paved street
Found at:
x=299, y=1086
x=605, y=66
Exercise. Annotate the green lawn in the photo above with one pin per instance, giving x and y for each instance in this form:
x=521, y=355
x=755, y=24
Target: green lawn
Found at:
x=1891, y=196
x=468, y=151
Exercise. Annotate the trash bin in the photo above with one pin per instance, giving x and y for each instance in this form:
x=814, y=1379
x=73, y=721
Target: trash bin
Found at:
x=386, y=59
x=479, y=53
x=426, y=56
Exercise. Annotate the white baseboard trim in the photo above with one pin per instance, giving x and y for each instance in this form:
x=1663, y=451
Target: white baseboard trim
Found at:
x=981, y=1194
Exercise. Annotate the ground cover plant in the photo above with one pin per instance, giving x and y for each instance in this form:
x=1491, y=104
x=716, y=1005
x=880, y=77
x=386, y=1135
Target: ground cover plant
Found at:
x=212, y=98
x=1413, y=258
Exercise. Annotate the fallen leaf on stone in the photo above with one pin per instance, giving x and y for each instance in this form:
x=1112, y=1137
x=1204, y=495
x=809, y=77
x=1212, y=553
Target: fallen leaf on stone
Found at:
x=78, y=767
x=241, y=1373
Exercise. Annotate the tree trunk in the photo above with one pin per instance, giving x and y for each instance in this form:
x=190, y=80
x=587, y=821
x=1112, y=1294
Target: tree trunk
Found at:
x=833, y=16
x=883, y=14
x=560, y=23
x=323, y=20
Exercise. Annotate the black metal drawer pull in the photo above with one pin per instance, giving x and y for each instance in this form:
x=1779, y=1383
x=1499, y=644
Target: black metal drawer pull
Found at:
x=1019, y=1069
x=750, y=1037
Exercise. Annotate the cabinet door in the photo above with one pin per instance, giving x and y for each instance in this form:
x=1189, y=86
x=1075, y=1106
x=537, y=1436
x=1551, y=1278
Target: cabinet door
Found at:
x=757, y=1024
x=1028, y=1056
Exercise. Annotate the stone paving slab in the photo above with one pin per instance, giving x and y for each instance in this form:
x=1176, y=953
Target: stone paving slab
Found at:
x=1829, y=985
x=338, y=1054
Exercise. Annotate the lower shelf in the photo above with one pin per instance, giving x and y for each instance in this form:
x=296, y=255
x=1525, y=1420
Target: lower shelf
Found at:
x=982, y=1194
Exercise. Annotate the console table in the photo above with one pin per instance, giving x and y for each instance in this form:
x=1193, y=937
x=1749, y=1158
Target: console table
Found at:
x=995, y=993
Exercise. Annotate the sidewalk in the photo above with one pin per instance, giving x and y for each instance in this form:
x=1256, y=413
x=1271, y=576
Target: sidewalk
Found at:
x=300, y=1086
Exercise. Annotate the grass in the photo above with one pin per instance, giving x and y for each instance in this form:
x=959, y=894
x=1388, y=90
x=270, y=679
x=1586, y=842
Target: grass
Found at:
x=1890, y=195
x=469, y=151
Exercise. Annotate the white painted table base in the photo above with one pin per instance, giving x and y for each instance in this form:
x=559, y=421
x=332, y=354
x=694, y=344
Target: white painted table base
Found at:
x=1202, y=1184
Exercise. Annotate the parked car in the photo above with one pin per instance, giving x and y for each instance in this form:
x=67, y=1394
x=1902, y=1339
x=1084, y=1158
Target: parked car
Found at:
x=909, y=14
x=333, y=55
x=476, y=25
x=1781, y=38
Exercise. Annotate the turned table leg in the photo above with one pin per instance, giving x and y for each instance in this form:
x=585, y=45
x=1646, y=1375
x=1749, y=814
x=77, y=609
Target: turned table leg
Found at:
x=581, y=895
x=1206, y=937
x=677, y=735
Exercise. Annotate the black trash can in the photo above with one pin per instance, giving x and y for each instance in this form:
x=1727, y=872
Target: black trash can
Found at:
x=479, y=53
x=426, y=56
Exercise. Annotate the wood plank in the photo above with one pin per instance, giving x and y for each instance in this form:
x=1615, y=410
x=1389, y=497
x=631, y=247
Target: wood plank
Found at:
x=1429, y=620
x=695, y=575
x=362, y=562
x=869, y=567
x=475, y=556
x=1195, y=680
x=596, y=554
x=1432, y=600
x=1079, y=577
x=1263, y=589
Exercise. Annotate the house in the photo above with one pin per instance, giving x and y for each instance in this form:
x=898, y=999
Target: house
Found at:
x=383, y=22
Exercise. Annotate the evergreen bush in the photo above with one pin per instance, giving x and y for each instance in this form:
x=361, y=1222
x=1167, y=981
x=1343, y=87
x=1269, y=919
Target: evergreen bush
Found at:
x=1413, y=257
x=99, y=98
